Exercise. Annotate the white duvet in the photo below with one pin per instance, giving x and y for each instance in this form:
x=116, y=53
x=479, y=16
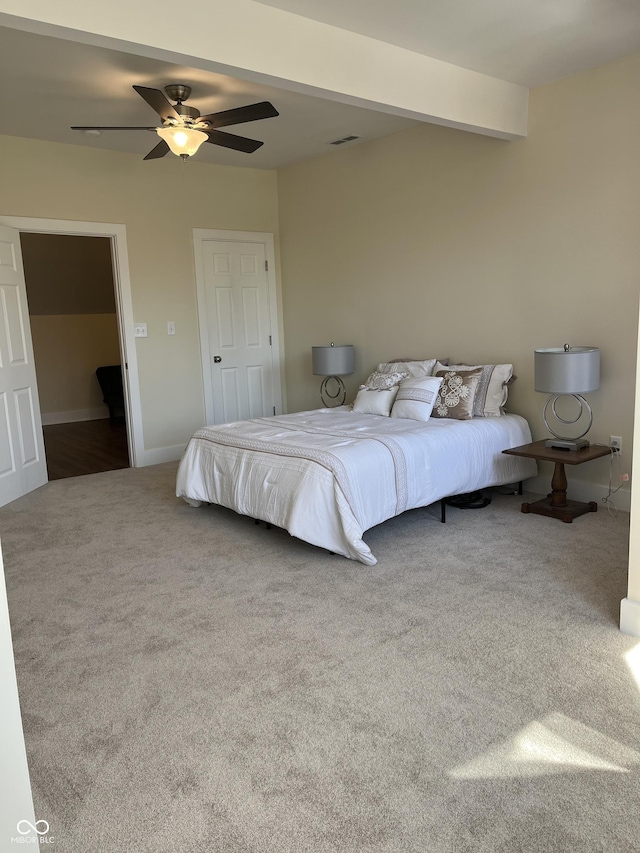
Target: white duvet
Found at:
x=328, y=475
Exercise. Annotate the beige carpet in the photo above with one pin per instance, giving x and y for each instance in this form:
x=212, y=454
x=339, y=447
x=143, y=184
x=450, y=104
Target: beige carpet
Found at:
x=192, y=682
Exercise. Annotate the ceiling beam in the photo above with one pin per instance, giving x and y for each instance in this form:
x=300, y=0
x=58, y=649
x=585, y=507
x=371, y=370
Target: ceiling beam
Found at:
x=251, y=41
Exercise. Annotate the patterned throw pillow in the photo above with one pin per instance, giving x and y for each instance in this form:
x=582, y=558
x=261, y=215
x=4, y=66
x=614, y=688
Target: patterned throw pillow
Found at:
x=493, y=388
x=382, y=381
x=457, y=393
x=416, y=398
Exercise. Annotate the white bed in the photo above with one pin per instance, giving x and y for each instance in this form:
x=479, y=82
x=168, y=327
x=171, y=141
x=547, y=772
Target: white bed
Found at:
x=329, y=475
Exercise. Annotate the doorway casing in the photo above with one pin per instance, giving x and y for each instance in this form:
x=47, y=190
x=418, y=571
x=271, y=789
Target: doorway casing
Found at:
x=124, y=310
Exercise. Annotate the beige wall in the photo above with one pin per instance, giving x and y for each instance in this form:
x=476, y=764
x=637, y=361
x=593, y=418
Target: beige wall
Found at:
x=431, y=241
x=436, y=242
x=68, y=349
x=159, y=202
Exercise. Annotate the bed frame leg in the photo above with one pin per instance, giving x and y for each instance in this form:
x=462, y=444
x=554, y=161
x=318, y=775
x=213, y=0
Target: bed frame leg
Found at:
x=443, y=511
x=520, y=487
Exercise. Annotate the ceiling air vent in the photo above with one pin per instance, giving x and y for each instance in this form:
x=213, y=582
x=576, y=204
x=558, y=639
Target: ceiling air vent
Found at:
x=343, y=140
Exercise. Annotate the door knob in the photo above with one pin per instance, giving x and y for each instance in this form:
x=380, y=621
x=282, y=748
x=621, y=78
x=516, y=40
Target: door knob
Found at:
x=217, y=359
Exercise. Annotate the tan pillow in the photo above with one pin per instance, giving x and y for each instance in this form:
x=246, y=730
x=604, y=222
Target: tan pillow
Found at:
x=457, y=393
x=493, y=388
x=412, y=368
x=397, y=360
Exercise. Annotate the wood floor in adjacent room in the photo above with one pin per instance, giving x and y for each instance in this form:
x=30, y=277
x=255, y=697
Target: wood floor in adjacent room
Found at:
x=85, y=447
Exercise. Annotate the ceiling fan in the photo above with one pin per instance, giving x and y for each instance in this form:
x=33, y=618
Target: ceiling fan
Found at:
x=183, y=129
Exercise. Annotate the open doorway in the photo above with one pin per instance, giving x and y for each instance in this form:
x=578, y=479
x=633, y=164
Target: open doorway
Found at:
x=76, y=342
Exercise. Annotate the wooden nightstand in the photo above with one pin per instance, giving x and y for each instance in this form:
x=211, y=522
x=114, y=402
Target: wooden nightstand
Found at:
x=556, y=505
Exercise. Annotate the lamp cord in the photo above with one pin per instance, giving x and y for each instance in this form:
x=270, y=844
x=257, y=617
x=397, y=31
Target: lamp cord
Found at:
x=612, y=509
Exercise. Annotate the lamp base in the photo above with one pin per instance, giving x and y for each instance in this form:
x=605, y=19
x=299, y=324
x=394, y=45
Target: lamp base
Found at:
x=567, y=443
x=329, y=399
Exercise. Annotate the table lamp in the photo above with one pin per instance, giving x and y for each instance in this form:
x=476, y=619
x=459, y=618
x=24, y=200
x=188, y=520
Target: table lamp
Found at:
x=567, y=372
x=332, y=362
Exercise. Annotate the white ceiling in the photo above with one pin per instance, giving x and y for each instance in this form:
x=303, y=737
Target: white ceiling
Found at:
x=49, y=84
x=529, y=42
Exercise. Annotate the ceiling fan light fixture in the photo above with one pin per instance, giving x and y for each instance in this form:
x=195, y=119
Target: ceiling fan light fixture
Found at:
x=183, y=141
x=183, y=129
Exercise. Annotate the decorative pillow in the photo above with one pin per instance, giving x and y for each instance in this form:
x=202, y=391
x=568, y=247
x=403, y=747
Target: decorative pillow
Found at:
x=493, y=387
x=398, y=360
x=370, y=402
x=416, y=398
x=412, y=368
x=382, y=381
x=457, y=393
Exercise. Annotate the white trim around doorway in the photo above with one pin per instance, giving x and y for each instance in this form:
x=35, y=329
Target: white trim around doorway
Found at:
x=124, y=310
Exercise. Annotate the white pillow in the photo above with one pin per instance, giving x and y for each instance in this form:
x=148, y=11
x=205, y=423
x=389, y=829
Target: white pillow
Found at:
x=416, y=398
x=493, y=388
x=412, y=368
x=370, y=402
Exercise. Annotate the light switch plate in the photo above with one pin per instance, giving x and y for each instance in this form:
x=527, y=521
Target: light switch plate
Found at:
x=140, y=330
x=171, y=328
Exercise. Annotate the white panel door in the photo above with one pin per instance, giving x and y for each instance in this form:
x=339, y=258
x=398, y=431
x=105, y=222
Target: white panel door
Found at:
x=238, y=330
x=23, y=465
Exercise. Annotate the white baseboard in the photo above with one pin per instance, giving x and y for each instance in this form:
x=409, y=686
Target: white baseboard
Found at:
x=580, y=490
x=77, y=415
x=630, y=617
x=158, y=455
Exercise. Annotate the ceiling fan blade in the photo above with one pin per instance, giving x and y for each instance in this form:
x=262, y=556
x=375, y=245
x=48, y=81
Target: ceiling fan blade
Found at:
x=159, y=151
x=229, y=140
x=157, y=101
x=94, y=127
x=253, y=112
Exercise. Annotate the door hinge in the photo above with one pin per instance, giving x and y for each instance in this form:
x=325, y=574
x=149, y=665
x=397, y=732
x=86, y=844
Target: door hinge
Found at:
x=266, y=266
x=274, y=410
x=270, y=344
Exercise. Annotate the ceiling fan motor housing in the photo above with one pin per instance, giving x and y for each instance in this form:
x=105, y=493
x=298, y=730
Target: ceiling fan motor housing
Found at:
x=187, y=112
x=180, y=92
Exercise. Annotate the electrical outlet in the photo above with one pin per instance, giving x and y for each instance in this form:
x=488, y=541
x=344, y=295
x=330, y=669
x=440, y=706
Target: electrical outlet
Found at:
x=624, y=478
x=615, y=443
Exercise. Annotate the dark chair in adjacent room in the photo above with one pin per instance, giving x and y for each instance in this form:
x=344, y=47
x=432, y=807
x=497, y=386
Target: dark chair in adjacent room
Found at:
x=110, y=379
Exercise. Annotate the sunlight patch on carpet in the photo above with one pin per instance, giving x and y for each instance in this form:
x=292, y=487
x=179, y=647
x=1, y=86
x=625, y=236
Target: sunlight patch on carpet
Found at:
x=632, y=658
x=557, y=744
